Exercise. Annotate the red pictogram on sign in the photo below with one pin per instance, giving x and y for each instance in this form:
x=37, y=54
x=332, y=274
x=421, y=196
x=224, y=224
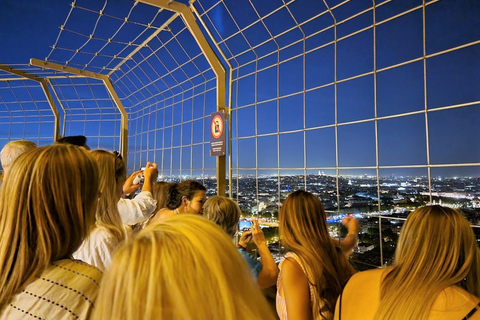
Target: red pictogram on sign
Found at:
x=217, y=127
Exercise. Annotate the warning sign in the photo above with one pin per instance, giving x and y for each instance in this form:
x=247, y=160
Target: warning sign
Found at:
x=217, y=134
x=217, y=126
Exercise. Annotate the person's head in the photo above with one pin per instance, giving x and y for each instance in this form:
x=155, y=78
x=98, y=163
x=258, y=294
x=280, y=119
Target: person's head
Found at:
x=224, y=212
x=168, y=271
x=436, y=249
x=46, y=211
x=439, y=242
x=112, y=178
x=160, y=193
x=80, y=141
x=187, y=196
x=11, y=151
x=302, y=220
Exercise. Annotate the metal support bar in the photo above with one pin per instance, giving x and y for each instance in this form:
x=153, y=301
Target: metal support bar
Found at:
x=228, y=109
x=124, y=118
x=108, y=85
x=56, y=131
x=44, y=85
x=214, y=62
x=61, y=105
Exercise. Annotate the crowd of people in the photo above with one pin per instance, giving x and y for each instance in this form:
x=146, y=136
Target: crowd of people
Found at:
x=76, y=244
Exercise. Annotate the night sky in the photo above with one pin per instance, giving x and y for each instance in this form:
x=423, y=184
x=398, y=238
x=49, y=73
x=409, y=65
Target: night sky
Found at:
x=306, y=96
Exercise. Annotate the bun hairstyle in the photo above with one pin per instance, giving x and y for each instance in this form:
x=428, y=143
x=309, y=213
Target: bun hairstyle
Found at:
x=172, y=193
x=186, y=189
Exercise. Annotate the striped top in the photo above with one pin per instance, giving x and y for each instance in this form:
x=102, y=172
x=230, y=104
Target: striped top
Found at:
x=280, y=300
x=67, y=289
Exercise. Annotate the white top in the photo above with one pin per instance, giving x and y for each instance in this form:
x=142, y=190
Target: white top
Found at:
x=138, y=209
x=97, y=249
x=66, y=289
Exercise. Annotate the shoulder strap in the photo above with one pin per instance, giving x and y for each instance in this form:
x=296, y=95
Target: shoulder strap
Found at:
x=340, y=308
x=472, y=312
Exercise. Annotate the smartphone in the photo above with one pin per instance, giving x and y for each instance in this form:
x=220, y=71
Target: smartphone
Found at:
x=140, y=178
x=244, y=225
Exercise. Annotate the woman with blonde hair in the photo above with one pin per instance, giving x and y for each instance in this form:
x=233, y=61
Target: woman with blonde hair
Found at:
x=316, y=268
x=435, y=274
x=47, y=207
x=108, y=231
x=184, y=267
x=225, y=213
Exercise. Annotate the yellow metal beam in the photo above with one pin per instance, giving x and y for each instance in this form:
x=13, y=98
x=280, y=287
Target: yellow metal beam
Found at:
x=217, y=67
x=44, y=85
x=67, y=69
x=124, y=119
x=108, y=85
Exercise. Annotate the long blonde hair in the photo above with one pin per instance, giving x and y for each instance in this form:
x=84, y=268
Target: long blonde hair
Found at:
x=47, y=206
x=184, y=267
x=436, y=249
x=303, y=230
x=112, y=171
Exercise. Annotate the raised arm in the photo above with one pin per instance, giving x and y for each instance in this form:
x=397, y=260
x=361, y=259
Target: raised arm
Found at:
x=267, y=277
x=128, y=186
x=143, y=205
x=351, y=240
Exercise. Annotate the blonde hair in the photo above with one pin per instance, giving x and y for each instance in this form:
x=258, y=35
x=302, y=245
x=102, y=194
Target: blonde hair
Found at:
x=112, y=170
x=436, y=249
x=303, y=230
x=172, y=270
x=47, y=206
x=13, y=150
x=224, y=212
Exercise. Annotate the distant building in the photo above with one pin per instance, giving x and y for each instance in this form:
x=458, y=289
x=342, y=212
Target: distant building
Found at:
x=364, y=247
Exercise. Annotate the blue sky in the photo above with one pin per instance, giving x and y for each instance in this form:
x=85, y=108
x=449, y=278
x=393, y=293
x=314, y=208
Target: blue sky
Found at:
x=303, y=100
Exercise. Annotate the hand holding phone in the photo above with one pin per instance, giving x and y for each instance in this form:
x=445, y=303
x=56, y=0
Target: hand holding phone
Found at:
x=245, y=239
x=257, y=234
